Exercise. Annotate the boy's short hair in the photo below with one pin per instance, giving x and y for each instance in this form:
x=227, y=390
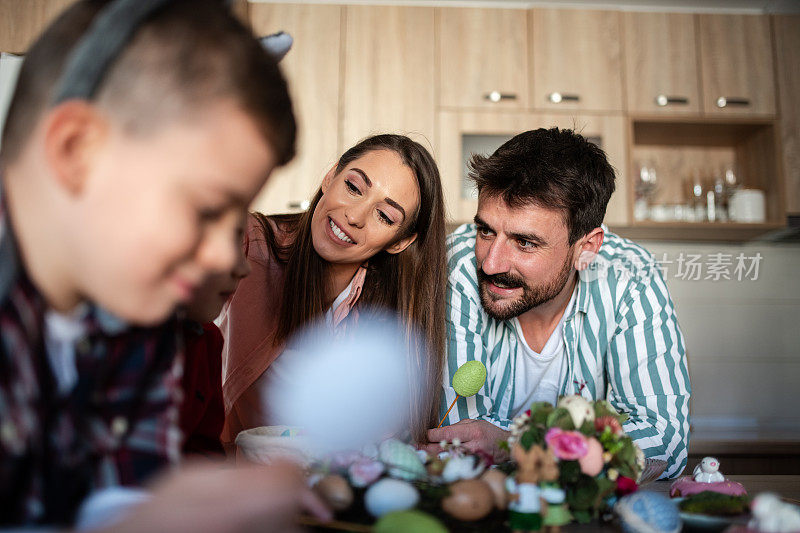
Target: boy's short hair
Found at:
x=553, y=169
x=187, y=55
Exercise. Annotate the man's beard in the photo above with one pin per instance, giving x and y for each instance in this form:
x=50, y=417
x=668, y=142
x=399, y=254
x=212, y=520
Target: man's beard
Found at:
x=532, y=296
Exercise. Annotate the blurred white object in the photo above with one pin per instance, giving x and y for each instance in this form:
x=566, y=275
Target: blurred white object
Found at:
x=107, y=507
x=270, y=443
x=389, y=495
x=277, y=44
x=707, y=471
x=771, y=515
x=748, y=205
x=346, y=391
x=466, y=467
x=9, y=71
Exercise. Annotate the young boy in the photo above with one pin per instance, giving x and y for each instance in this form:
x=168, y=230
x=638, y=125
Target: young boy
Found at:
x=202, y=412
x=137, y=136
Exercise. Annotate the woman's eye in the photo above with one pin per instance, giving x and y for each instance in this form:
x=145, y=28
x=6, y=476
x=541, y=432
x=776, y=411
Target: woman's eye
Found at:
x=351, y=187
x=385, y=218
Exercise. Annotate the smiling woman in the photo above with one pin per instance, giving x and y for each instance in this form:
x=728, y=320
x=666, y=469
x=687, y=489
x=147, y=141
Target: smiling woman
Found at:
x=372, y=239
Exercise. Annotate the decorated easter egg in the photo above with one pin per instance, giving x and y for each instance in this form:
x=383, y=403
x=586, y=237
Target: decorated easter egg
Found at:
x=648, y=512
x=497, y=483
x=579, y=408
x=402, y=460
x=469, y=378
x=389, y=495
x=405, y=521
x=470, y=499
x=335, y=491
x=364, y=472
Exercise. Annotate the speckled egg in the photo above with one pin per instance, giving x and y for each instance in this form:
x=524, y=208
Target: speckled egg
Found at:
x=389, y=495
x=497, y=483
x=335, y=491
x=407, y=521
x=402, y=460
x=648, y=512
x=469, y=500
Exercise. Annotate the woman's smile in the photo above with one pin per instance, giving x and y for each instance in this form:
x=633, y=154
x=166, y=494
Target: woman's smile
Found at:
x=338, y=235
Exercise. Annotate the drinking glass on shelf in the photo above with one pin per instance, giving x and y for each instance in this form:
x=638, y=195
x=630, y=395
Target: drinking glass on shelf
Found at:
x=696, y=193
x=646, y=187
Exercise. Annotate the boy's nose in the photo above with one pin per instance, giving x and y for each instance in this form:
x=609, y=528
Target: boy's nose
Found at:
x=220, y=251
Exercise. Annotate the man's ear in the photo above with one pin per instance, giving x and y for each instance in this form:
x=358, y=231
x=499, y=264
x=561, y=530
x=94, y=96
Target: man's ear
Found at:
x=587, y=249
x=72, y=132
x=328, y=179
x=402, y=244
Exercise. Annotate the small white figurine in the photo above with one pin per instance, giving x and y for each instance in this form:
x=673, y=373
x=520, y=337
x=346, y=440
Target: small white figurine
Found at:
x=708, y=471
x=771, y=515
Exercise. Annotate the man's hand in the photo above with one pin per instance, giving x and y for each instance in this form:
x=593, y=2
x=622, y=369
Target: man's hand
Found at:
x=473, y=434
x=211, y=498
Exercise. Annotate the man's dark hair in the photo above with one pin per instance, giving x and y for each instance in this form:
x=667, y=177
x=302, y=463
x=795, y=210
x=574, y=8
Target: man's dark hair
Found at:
x=187, y=55
x=550, y=168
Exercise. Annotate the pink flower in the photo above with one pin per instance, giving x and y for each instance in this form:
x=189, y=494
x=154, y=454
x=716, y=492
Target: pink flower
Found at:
x=566, y=445
x=592, y=463
x=626, y=485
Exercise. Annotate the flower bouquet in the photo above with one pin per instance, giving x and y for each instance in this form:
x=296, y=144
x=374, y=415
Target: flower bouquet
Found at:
x=576, y=449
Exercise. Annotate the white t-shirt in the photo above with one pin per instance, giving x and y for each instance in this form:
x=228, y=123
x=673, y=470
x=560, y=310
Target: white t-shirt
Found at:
x=62, y=331
x=538, y=376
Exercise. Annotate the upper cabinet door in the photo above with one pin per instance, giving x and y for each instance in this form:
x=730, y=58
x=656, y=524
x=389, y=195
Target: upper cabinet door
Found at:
x=787, y=47
x=661, y=63
x=21, y=22
x=483, y=60
x=389, y=83
x=736, y=64
x=577, y=59
x=312, y=70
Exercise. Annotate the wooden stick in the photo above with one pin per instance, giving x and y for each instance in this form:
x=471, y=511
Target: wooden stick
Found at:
x=448, y=411
x=304, y=520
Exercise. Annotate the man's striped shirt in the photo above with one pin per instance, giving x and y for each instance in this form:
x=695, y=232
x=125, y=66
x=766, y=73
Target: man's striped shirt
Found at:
x=622, y=340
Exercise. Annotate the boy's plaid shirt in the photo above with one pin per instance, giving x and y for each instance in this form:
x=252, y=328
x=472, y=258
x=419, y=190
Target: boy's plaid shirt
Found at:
x=117, y=427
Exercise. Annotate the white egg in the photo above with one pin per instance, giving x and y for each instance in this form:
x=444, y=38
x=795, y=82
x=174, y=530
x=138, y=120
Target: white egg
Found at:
x=389, y=495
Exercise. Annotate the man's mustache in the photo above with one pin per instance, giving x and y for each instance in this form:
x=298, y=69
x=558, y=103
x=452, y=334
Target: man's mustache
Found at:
x=503, y=280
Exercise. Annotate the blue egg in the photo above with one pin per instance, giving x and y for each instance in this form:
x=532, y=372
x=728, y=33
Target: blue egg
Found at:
x=648, y=512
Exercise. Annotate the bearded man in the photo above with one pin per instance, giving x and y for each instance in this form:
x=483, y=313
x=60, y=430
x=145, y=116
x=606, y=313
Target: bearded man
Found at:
x=552, y=303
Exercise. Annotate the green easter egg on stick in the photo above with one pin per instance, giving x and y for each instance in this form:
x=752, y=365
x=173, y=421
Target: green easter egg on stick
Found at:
x=467, y=381
x=469, y=378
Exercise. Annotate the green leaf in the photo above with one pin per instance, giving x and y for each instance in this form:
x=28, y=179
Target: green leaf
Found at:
x=503, y=445
x=540, y=411
x=582, y=517
x=604, y=408
x=583, y=494
x=587, y=428
x=560, y=418
x=569, y=472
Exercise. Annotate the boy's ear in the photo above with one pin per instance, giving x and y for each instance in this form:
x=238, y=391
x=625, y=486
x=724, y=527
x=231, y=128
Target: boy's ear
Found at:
x=588, y=248
x=328, y=179
x=72, y=132
x=402, y=244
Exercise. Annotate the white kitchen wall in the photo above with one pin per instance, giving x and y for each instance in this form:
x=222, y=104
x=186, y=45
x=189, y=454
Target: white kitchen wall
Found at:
x=742, y=337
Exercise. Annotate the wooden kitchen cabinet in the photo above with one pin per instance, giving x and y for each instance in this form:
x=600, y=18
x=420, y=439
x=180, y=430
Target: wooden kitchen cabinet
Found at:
x=312, y=70
x=576, y=59
x=21, y=21
x=455, y=129
x=482, y=52
x=787, y=47
x=736, y=65
x=388, y=79
x=661, y=63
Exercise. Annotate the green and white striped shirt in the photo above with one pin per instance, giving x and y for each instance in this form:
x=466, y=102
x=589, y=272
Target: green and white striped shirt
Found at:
x=622, y=342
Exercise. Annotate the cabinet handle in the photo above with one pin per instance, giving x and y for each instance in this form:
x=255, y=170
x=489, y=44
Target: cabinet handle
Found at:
x=496, y=96
x=299, y=205
x=664, y=100
x=557, y=98
x=725, y=101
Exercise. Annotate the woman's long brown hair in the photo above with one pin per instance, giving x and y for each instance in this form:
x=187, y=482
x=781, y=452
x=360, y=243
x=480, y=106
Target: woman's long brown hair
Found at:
x=411, y=283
